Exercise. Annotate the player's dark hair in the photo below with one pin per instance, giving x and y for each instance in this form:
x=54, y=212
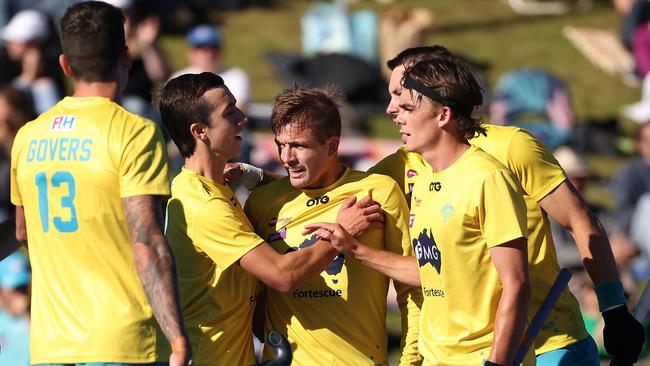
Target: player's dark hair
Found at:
x=413, y=55
x=312, y=108
x=92, y=38
x=450, y=82
x=182, y=103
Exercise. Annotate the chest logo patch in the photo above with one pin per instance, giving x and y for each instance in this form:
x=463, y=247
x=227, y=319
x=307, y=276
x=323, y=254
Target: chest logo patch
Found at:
x=426, y=250
x=447, y=211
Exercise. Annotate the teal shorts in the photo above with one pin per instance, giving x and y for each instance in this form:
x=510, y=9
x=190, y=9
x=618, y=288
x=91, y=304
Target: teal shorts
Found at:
x=104, y=364
x=581, y=353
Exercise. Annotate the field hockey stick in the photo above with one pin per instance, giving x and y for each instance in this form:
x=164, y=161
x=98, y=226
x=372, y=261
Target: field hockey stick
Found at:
x=640, y=313
x=282, y=349
x=560, y=283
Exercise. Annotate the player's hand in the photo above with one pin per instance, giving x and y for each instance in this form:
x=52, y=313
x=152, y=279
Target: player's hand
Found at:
x=335, y=234
x=623, y=335
x=232, y=172
x=359, y=217
x=181, y=352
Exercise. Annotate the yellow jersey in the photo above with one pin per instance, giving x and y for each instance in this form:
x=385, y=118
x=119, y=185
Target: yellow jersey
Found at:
x=539, y=174
x=457, y=215
x=339, y=317
x=404, y=167
x=69, y=170
x=209, y=233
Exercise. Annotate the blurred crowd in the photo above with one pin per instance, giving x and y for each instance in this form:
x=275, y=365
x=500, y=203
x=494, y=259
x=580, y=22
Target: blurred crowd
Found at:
x=31, y=82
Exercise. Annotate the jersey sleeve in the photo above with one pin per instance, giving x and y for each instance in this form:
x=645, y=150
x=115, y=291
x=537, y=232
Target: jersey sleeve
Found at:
x=502, y=209
x=225, y=240
x=534, y=165
x=393, y=166
x=409, y=299
x=143, y=163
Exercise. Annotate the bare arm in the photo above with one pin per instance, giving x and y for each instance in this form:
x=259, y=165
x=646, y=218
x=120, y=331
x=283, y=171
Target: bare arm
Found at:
x=566, y=206
x=155, y=266
x=511, y=262
x=286, y=272
x=8, y=237
x=400, y=268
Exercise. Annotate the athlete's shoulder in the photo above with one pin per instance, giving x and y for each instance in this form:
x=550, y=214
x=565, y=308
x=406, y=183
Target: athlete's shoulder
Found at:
x=272, y=191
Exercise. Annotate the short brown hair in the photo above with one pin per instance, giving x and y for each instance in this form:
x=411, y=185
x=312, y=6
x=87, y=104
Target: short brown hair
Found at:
x=311, y=108
x=92, y=38
x=451, y=79
x=413, y=55
x=182, y=103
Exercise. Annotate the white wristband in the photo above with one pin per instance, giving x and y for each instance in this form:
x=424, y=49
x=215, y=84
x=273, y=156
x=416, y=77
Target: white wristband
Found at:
x=251, y=175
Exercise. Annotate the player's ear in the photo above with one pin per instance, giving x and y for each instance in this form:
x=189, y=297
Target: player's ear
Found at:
x=65, y=66
x=197, y=129
x=333, y=145
x=445, y=115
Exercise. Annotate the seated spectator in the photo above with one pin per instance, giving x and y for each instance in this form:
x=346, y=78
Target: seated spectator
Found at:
x=14, y=310
x=25, y=37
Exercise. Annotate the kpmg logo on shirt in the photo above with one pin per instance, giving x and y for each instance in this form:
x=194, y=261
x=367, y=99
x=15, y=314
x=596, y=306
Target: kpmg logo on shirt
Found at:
x=426, y=250
x=337, y=264
x=63, y=123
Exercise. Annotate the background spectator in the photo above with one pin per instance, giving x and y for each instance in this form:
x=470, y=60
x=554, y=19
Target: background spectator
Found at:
x=14, y=310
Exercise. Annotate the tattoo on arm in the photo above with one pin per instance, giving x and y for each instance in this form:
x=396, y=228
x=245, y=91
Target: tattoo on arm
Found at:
x=154, y=262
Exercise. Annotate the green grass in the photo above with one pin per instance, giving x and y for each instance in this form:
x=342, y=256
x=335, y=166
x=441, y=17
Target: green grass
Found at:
x=487, y=31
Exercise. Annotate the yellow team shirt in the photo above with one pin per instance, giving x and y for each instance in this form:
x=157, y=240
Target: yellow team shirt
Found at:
x=404, y=167
x=457, y=215
x=209, y=233
x=539, y=174
x=339, y=317
x=69, y=170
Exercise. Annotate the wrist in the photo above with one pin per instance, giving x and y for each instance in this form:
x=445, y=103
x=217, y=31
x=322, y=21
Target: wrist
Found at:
x=180, y=344
x=251, y=175
x=610, y=295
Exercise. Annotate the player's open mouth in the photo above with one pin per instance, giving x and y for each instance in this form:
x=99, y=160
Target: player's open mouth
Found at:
x=295, y=171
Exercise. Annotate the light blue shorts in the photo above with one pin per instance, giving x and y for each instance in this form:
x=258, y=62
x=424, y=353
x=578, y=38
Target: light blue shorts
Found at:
x=104, y=364
x=581, y=353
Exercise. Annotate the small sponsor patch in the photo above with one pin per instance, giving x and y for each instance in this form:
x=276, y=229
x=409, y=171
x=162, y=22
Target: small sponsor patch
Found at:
x=63, y=123
x=411, y=219
x=411, y=173
x=278, y=235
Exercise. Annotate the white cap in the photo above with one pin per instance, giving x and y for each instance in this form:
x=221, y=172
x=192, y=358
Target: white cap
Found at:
x=573, y=164
x=122, y=4
x=26, y=26
x=639, y=112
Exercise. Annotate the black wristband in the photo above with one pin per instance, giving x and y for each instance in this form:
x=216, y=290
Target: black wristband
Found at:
x=489, y=363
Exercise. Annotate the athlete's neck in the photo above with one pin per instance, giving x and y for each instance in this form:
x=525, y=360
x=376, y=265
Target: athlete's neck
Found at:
x=108, y=90
x=444, y=154
x=208, y=166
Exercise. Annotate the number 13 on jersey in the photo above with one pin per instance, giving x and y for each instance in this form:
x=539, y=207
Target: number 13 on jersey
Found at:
x=60, y=179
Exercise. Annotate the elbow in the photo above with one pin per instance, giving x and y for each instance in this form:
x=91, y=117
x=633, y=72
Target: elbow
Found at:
x=284, y=282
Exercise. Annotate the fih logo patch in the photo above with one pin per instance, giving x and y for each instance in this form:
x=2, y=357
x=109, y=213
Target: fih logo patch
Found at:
x=426, y=250
x=63, y=123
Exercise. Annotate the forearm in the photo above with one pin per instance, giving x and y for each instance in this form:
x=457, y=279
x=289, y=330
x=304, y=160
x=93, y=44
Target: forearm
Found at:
x=155, y=63
x=595, y=251
x=302, y=265
x=155, y=264
x=8, y=238
x=409, y=300
x=510, y=323
x=400, y=268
